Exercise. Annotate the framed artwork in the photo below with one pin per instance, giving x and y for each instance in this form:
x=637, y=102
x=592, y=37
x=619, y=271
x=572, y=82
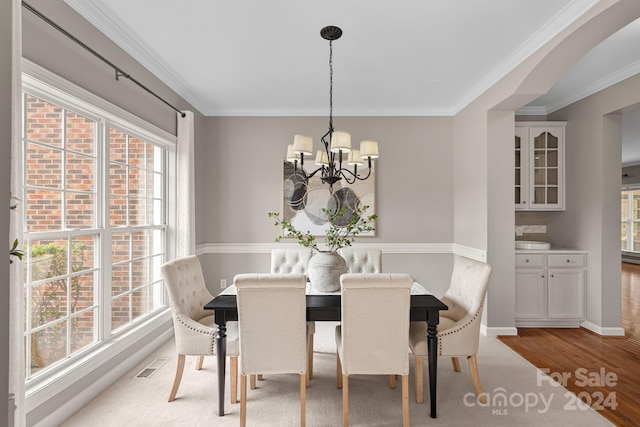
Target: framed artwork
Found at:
x=303, y=202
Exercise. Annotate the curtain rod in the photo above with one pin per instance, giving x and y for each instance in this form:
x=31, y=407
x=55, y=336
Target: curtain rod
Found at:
x=118, y=70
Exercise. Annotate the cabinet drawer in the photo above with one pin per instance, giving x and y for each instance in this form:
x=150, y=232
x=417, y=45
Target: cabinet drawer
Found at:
x=566, y=260
x=529, y=260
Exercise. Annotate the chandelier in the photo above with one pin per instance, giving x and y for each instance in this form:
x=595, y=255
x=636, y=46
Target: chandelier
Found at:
x=330, y=158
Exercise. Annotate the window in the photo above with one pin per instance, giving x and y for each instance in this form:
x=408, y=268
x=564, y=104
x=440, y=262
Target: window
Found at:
x=630, y=220
x=95, y=225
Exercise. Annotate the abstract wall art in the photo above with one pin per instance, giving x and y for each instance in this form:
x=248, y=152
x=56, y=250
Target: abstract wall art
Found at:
x=303, y=202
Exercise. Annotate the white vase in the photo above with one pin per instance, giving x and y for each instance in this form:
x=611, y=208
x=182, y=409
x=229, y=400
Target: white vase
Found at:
x=325, y=269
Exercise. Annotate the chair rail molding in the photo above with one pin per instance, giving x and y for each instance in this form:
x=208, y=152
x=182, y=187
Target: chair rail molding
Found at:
x=389, y=248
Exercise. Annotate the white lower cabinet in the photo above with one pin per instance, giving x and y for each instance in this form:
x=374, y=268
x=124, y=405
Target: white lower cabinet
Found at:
x=550, y=289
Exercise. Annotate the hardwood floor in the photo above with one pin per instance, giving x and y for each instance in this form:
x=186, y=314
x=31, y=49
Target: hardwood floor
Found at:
x=605, y=371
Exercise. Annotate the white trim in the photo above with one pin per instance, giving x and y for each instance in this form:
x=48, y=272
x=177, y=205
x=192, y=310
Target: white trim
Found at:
x=558, y=23
x=99, y=15
x=603, y=330
x=469, y=252
x=493, y=332
x=115, y=30
x=39, y=79
x=389, y=248
x=265, y=248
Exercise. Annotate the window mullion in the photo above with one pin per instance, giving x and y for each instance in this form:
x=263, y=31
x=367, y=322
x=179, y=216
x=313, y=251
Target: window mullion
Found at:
x=106, y=240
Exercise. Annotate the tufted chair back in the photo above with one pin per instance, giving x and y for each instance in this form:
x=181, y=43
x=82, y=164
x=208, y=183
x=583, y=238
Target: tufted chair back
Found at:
x=287, y=261
x=272, y=341
x=362, y=260
x=195, y=328
x=459, y=328
x=186, y=287
x=365, y=297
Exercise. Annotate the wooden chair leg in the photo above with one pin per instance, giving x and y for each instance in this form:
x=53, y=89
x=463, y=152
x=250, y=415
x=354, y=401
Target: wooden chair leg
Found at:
x=310, y=358
x=345, y=401
x=252, y=380
x=234, y=378
x=419, y=361
x=456, y=364
x=260, y=377
x=303, y=399
x=473, y=367
x=176, y=381
x=199, y=363
x=392, y=382
x=405, y=400
x=243, y=401
x=338, y=372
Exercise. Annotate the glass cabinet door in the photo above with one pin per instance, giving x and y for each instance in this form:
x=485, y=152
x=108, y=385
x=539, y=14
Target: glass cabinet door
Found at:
x=545, y=168
x=539, y=166
x=521, y=169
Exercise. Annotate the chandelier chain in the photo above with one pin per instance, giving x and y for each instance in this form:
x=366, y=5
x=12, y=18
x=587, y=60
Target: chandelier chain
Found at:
x=331, y=85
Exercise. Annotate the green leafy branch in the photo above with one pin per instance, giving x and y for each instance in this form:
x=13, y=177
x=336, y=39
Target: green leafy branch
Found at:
x=337, y=236
x=14, y=251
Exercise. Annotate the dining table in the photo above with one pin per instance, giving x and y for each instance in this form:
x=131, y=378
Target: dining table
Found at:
x=425, y=307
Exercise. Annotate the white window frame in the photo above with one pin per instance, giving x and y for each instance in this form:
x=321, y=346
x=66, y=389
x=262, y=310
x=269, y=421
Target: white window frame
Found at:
x=65, y=378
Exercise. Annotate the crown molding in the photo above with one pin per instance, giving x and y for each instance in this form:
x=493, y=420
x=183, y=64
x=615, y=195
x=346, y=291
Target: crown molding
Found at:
x=112, y=28
x=562, y=20
x=588, y=90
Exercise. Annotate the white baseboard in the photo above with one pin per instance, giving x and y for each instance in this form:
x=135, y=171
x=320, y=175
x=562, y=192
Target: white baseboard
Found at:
x=604, y=331
x=493, y=332
x=66, y=408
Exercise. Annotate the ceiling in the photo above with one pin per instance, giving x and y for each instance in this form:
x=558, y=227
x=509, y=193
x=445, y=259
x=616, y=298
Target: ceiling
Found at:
x=410, y=57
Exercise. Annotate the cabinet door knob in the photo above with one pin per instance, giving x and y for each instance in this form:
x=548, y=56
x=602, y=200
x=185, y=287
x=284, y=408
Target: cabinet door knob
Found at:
x=552, y=275
x=542, y=275
x=526, y=260
x=568, y=261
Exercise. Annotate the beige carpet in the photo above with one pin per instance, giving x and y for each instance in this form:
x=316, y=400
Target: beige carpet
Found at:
x=518, y=397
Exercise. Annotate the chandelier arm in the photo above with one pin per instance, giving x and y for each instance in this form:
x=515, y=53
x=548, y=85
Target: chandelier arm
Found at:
x=354, y=176
x=310, y=175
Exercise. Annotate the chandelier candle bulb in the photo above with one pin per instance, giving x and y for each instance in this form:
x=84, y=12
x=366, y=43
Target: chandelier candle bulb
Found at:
x=340, y=140
x=369, y=148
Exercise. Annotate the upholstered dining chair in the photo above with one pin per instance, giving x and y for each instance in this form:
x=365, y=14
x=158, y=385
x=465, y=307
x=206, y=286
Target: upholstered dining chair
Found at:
x=274, y=341
x=380, y=350
x=459, y=328
x=294, y=261
x=362, y=260
x=194, y=328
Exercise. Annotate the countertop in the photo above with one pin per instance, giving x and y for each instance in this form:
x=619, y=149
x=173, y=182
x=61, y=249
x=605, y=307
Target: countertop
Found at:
x=552, y=250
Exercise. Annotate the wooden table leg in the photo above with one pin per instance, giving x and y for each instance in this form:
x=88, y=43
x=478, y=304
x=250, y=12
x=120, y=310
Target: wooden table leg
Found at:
x=432, y=345
x=221, y=347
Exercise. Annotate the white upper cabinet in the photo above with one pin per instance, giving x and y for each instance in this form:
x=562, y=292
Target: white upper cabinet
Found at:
x=539, y=166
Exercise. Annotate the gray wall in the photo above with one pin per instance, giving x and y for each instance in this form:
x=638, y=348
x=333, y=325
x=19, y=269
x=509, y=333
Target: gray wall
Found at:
x=241, y=181
x=592, y=218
